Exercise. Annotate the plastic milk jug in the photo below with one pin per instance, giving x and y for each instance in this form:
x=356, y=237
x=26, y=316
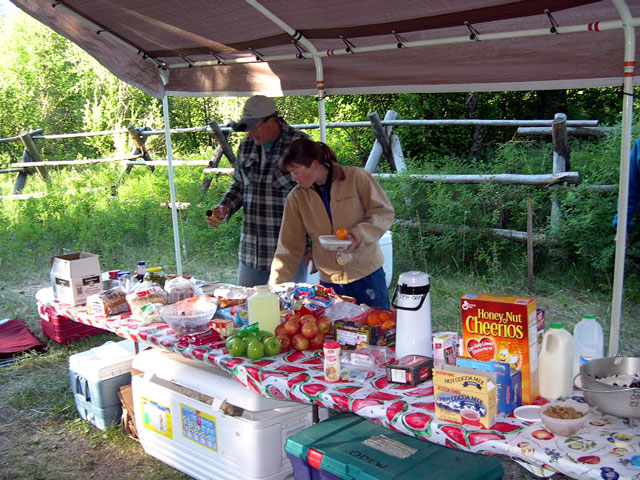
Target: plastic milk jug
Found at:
x=264, y=309
x=413, y=326
x=555, y=363
x=588, y=342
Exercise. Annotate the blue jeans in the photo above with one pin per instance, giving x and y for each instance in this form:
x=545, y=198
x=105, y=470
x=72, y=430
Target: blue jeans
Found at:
x=370, y=290
x=250, y=277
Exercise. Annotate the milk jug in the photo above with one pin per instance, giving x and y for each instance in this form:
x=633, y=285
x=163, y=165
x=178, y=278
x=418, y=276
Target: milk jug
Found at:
x=555, y=363
x=413, y=326
x=264, y=309
x=588, y=342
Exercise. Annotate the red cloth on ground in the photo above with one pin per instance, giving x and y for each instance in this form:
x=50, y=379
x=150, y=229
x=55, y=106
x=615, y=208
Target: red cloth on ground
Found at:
x=15, y=338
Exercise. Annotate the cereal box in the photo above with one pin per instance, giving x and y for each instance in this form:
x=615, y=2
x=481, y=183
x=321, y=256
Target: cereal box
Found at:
x=465, y=395
x=503, y=329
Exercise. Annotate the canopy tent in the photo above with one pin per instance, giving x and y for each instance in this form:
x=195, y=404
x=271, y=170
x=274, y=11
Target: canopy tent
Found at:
x=299, y=47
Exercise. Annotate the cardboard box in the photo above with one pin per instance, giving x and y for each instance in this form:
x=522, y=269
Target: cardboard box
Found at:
x=465, y=395
x=410, y=370
x=445, y=349
x=352, y=335
x=75, y=276
x=503, y=329
x=508, y=381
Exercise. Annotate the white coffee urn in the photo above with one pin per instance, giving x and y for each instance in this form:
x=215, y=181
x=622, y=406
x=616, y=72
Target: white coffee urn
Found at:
x=413, y=303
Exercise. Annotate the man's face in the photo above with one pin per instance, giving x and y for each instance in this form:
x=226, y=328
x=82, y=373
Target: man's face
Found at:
x=267, y=130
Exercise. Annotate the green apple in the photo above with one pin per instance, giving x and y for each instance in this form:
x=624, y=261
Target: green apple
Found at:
x=255, y=349
x=272, y=346
x=236, y=346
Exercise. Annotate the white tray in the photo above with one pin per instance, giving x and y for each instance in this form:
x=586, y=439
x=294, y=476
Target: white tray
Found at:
x=330, y=242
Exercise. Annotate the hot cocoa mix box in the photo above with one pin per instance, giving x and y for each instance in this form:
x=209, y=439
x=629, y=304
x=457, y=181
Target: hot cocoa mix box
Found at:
x=503, y=329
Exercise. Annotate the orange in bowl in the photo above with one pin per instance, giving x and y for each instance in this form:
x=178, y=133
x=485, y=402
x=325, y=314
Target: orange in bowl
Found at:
x=341, y=233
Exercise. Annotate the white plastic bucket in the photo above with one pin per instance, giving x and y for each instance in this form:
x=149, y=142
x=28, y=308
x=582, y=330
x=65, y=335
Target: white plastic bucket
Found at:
x=386, y=245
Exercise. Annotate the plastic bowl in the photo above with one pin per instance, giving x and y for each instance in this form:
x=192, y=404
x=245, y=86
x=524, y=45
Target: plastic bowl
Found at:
x=331, y=243
x=565, y=427
x=183, y=324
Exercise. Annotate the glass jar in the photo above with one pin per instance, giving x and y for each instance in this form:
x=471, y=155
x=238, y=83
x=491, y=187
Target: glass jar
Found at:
x=156, y=275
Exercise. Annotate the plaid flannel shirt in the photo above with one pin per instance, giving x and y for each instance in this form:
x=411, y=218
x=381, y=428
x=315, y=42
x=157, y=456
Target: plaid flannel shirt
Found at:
x=261, y=192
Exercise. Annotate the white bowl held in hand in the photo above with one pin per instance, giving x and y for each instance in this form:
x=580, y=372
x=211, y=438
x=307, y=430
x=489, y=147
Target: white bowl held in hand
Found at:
x=332, y=243
x=562, y=426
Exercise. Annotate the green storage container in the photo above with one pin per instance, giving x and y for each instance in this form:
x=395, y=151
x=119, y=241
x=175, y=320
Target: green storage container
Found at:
x=349, y=447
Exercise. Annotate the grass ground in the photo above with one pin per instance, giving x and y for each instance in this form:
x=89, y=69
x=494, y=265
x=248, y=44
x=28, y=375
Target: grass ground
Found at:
x=41, y=436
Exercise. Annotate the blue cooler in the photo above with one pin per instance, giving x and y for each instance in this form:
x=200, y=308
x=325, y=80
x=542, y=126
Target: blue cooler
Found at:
x=96, y=377
x=349, y=447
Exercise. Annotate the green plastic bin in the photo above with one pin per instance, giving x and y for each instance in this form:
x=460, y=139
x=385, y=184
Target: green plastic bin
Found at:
x=343, y=447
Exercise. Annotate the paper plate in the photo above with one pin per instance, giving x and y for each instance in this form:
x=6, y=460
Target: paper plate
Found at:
x=528, y=413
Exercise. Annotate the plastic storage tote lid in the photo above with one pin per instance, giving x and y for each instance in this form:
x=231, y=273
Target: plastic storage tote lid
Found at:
x=413, y=279
x=556, y=325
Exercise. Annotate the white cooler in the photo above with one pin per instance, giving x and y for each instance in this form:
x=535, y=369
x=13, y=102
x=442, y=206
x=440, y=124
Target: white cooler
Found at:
x=96, y=376
x=178, y=413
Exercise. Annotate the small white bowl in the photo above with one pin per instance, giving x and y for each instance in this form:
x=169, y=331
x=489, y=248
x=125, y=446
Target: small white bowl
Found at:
x=331, y=243
x=565, y=427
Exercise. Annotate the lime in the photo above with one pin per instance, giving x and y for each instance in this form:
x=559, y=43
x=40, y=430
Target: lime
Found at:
x=236, y=346
x=272, y=346
x=255, y=349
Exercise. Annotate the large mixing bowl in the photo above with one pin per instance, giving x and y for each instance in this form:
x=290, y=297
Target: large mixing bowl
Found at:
x=611, y=399
x=194, y=319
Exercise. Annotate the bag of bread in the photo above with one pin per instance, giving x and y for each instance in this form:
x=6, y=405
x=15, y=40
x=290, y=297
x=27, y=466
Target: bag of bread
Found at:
x=140, y=298
x=179, y=288
x=108, y=302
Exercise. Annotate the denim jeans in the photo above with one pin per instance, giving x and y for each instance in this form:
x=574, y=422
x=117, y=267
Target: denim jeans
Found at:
x=370, y=290
x=250, y=277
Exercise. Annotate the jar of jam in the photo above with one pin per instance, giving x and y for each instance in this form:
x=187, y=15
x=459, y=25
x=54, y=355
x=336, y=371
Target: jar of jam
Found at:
x=156, y=275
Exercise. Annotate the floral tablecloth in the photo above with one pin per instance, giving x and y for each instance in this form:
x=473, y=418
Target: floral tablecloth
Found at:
x=298, y=376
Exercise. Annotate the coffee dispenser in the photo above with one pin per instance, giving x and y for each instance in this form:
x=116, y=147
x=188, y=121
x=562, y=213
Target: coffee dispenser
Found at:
x=413, y=303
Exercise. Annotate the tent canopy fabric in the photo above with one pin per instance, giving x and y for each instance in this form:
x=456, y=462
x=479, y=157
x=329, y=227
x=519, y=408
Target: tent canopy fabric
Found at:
x=274, y=47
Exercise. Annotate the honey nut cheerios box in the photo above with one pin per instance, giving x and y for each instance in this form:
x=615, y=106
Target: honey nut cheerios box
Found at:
x=503, y=329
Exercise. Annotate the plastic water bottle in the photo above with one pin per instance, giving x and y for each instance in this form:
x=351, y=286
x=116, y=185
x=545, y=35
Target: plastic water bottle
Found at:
x=555, y=363
x=264, y=309
x=588, y=342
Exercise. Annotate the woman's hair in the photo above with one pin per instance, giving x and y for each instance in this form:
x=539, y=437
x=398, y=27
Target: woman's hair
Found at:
x=304, y=151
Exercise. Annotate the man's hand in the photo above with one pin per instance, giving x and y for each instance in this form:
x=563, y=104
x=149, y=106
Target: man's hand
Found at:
x=219, y=215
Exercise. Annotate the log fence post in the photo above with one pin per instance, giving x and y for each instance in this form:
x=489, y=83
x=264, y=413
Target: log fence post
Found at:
x=31, y=153
x=139, y=141
x=376, y=151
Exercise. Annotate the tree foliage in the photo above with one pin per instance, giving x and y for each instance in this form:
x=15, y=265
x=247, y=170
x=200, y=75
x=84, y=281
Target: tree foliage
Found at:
x=47, y=82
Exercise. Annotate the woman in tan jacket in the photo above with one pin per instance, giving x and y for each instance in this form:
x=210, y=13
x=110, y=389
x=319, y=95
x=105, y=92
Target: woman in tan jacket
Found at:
x=329, y=196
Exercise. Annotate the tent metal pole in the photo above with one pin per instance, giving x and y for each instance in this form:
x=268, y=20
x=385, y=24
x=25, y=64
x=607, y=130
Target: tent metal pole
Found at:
x=623, y=193
x=164, y=74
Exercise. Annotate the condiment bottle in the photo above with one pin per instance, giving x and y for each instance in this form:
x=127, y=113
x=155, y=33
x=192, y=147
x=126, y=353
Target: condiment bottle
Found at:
x=141, y=270
x=555, y=363
x=331, y=361
x=264, y=309
x=156, y=275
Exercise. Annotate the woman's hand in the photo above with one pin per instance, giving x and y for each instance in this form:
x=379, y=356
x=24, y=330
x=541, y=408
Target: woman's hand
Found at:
x=353, y=244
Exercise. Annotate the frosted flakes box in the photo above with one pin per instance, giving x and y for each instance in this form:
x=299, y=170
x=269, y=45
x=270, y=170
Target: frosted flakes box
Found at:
x=503, y=329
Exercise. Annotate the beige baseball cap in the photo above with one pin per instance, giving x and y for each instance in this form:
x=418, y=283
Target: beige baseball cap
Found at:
x=256, y=108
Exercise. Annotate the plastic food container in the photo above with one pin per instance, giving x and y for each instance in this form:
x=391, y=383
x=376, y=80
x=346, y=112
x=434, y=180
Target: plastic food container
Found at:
x=565, y=427
x=331, y=243
x=184, y=323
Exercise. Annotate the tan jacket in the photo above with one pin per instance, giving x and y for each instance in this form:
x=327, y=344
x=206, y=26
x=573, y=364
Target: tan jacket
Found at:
x=358, y=203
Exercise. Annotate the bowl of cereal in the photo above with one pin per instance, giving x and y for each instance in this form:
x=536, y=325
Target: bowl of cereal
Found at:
x=564, y=417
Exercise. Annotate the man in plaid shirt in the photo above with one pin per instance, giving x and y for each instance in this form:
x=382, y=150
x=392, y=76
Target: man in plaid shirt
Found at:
x=260, y=188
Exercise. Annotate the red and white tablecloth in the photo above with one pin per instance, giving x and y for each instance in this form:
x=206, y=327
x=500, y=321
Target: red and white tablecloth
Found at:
x=298, y=376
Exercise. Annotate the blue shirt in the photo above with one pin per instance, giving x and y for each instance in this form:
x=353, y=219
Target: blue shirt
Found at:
x=634, y=186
